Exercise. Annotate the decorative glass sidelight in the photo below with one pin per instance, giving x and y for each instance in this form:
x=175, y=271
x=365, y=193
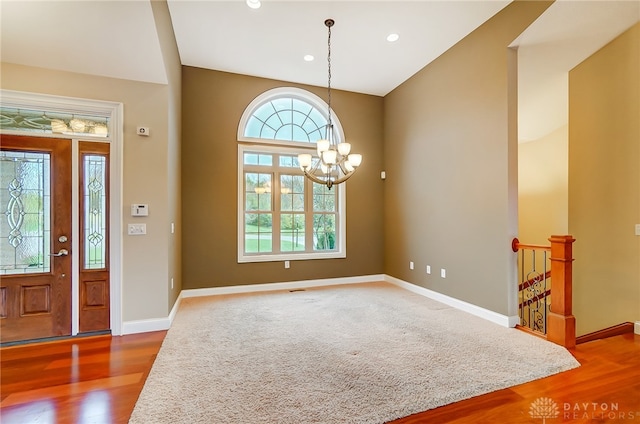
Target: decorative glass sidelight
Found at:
x=25, y=196
x=95, y=210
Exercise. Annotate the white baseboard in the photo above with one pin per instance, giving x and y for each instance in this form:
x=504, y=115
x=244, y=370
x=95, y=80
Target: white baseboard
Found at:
x=153, y=324
x=636, y=327
x=145, y=325
x=290, y=285
x=503, y=320
x=158, y=324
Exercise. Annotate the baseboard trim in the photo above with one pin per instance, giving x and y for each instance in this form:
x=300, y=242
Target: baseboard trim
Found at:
x=159, y=324
x=503, y=320
x=289, y=285
x=153, y=324
x=145, y=325
x=616, y=330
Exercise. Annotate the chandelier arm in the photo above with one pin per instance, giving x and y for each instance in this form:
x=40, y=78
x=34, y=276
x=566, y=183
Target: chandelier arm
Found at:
x=313, y=178
x=342, y=168
x=343, y=178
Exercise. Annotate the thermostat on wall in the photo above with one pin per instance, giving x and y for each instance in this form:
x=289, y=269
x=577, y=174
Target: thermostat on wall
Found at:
x=139, y=210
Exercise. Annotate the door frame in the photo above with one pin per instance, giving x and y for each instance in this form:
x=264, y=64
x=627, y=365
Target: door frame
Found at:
x=115, y=112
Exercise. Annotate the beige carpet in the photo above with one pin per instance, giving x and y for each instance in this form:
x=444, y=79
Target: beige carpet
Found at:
x=362, y=353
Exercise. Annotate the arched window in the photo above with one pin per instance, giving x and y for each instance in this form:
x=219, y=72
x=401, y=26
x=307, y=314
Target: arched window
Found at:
x=287, y=114
x=281, y=214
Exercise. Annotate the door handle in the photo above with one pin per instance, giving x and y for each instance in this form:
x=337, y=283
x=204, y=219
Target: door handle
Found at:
x=62, y=252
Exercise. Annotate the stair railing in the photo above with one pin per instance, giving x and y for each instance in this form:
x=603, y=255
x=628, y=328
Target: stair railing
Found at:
x=545, y=298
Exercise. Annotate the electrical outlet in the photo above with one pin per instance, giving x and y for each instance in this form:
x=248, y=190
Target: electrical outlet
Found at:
x=286, y=264
x=428, y=269
x=443, y=273
x=638, y=229
x=171, y=283
x=410, y=265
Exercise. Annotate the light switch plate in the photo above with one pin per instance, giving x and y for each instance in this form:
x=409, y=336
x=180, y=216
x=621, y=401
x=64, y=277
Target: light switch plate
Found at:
x=137, y=229
x=638, y=229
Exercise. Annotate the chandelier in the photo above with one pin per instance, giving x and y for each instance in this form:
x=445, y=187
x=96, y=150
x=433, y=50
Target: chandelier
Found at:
x=335, y=163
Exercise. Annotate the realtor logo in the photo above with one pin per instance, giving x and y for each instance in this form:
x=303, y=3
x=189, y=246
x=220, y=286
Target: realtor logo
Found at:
x=544, y=408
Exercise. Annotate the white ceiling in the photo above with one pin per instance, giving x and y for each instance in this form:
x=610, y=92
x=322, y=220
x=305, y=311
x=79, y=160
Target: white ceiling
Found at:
x=118, y=39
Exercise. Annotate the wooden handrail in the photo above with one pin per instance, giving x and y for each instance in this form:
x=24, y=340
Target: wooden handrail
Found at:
x=516, y=245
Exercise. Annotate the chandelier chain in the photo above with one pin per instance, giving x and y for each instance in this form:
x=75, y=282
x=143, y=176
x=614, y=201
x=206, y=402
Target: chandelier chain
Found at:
x=329, y=74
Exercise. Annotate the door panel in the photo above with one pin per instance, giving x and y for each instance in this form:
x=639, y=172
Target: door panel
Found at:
x=35, y=239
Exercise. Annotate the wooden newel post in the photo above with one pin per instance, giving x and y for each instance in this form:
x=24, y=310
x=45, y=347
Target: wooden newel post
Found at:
x=561, y=324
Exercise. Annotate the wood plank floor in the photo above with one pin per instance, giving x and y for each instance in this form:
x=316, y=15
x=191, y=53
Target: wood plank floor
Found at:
x=98, y=379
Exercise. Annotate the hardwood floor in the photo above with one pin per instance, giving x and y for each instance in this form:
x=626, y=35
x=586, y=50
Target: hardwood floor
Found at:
x=98, y=380
x=83, y=380
x=604, y=389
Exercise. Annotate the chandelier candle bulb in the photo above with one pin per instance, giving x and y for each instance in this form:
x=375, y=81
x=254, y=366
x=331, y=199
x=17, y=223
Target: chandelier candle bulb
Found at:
x=322, y=146
x=355, y=159
x=304, y=160
x=344, y=149
x=329, y=157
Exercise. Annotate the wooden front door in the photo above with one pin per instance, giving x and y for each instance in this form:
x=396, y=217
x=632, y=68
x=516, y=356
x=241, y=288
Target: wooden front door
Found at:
x=35, y=237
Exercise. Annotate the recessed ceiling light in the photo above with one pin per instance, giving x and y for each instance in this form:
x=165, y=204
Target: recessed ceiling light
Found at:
x=254, y=4
x=392, y=37
x=308, y=57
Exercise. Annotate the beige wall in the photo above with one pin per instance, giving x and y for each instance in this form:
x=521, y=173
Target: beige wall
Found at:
x=213, y=103
x=604, y=184
x=543, y=185
x=173, y=69
x=145, y=178
x=450, y=157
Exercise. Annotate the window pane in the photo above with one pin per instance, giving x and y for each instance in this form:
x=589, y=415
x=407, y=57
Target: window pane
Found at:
x=292, y=232
x=292, y=193
x=95, y=212
x=285, y=117
x=299, y=134
x=264, y=112
x=265, y=160
x=253, y=128
x=285, y=132
x=324, y=200
x=257, y=232
x=281, y=104
x=324, y=232
x=258, y=159
x=299, y=118
x=268, y=133
x=250, y=159
x=257, y=191
x=25, y=232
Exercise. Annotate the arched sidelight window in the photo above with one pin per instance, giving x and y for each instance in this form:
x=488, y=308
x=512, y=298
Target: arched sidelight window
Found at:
x=281, y=214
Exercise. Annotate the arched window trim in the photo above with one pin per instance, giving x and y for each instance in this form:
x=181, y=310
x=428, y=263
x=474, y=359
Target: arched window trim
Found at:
x=288, y=92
